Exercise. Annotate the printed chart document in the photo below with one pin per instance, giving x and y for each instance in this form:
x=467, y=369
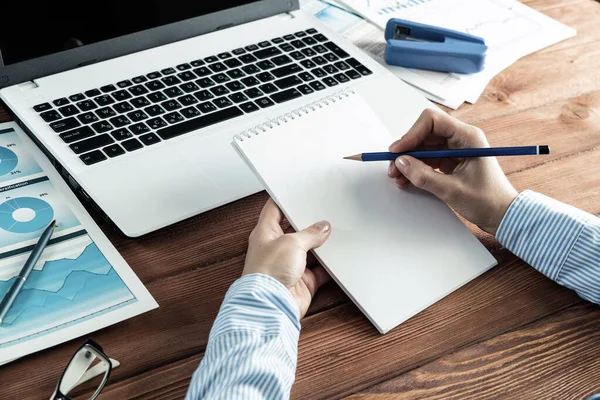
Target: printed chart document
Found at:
x=81, y=283
x=511, y=30
x=394, y=252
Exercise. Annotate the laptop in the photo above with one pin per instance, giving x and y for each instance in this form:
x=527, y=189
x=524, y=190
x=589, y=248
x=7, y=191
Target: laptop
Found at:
x=136, y=103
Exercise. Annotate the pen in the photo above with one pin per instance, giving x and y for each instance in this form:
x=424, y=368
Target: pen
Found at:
x=13, y=292
x=455, y=153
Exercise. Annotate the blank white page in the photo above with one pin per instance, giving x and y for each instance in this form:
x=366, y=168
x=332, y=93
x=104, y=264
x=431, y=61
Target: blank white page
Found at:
x=393, y=252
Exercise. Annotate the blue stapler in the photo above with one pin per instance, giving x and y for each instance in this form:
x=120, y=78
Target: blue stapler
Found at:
x=415, y=45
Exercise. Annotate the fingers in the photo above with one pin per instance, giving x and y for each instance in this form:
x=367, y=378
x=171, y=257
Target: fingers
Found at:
x=315, y=278
x=313, y=236
x=268, y=225
x=433, y=122
x=424, y=177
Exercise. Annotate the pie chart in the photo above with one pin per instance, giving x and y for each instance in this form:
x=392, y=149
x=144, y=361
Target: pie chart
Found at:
x=25, y=214
x=8, y=160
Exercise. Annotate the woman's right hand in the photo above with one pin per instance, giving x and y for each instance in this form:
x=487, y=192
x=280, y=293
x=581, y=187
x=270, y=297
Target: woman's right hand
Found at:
x=476, y=188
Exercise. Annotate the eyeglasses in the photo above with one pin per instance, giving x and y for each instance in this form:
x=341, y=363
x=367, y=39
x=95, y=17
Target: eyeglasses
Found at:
x=88, y=364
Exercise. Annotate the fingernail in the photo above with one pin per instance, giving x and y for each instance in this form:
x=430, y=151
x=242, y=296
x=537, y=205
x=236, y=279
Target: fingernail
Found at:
x=390, y=169
x=322, y=226
x=402, y=164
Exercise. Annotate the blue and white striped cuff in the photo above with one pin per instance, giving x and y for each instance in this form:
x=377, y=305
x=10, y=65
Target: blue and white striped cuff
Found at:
x=541, y=231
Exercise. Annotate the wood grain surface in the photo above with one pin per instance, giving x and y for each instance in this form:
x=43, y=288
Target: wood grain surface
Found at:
x=511, y=333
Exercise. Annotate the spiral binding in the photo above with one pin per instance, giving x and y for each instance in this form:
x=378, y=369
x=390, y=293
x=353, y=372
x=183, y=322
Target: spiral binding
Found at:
x=292, y=115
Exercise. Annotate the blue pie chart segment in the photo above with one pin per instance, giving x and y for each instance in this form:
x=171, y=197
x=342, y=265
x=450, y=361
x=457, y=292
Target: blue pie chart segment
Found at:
x=41, y=214
x=8, y=160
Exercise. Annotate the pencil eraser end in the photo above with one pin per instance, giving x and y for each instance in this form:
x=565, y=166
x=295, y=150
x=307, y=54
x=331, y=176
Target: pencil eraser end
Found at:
x=544, y=149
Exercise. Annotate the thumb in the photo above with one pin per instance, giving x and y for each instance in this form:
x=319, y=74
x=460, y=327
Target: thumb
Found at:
x=423, y=176
x=313, y=236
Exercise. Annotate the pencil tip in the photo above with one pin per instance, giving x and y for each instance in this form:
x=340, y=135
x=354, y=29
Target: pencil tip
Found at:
x=53, y=224
x=356, y=157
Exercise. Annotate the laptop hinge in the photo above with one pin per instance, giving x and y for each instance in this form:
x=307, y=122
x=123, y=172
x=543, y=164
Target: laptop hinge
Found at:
x=27, y=86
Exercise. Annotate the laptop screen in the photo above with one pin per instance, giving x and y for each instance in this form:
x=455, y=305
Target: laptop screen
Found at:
x=52, y=26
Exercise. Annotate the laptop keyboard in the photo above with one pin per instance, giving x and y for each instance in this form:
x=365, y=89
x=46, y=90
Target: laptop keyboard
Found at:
x=123, y=117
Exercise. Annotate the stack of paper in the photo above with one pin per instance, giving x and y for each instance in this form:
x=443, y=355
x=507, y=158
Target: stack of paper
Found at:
x=511, y=31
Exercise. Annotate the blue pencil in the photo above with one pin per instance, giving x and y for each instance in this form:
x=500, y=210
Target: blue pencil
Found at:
x=455, y=153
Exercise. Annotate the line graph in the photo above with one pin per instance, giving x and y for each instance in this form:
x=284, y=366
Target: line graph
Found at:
x=62, y=292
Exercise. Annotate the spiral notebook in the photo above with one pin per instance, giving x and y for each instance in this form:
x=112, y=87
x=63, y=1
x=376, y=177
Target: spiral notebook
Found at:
x=393, y=252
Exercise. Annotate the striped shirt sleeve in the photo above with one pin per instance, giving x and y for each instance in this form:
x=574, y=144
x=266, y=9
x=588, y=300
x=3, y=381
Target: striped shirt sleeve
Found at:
x=253, y=344
x=559, y=240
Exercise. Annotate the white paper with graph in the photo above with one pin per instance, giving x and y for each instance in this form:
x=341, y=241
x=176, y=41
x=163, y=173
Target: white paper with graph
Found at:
x=81, y=283
x=511, y=31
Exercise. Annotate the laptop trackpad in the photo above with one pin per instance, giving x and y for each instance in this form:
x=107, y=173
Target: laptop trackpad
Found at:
x=151, y=189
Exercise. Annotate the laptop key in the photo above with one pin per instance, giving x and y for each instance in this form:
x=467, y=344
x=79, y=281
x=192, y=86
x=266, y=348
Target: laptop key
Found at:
x=299, y=44
x=232, y=63
x=186, y=76
x=149, y=139
x=289, y=37
x=91, y=143
x=121, y=134
x=358, y=66
x=87, y=118
x=265, y=102
x=252, y=47
x=235, y=85
x=308, y=64
x=317, y=85
x=267, y=53
x=320, y=37
x=202, y=71
x=92, y=157
x=173, y=92
x=251, y=69
x=108, y=88
x=253, y=93
x=138, y=129
x=156, y=123
x=310, y=52
x=153, y=75
x=173, y=117
x=224, y=56
x=190, y=112
x=171, y=105
x=296, y=55
x=199, y=122
x=138, y=90
x=236, y=73
x=205, y=82
x=183, y=67
x=206, y=107
x=61, y=102
x=277, y=40
x=154, y=110
x=342, y=66
x=42, y=107
x=204, y=95
x=250, y=81
x=50, y=116
x=120, y=121
x=86, y=105
x=139, y=79
x=121, y=95
x=318, y=72
x=102, y=126
x=309, y=41
x=265, y=77
x=64, y=125
x=197, y=63
x=77, y=134
x=140, y=102
x=306, y=76
x=287, y=70
x=330, y=69
x=287, y=47
x=217, y=67
x=305, y=89
x=157, y=97
x=329, y=81
x=171, y=80
x=311, y=31
x=341, y=78
x=286, y=95
x=264, y=44
x=320, y=49
x=211, y=59
x=219, y=90
x=352, y=74
x=104, y=100
x=132, y=145
x=249, y=107
x=222, y=102
x=300, y=34
x=239, y=51
x=122, y=107
x=237, y=97
x=319, y=60
x=331, y=57
x=93, y=93
x=189, y=87
x=154, y=85
x=220, y=78
x=268, y=88
x=76, y=97
x=113, y=150
x=187, y=100
x=335, y=49
x=124, y=84
x=265, y=65
x=105, y=112
x=248, y=58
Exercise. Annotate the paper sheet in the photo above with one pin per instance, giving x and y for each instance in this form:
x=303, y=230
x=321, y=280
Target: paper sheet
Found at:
x=81, y=283
x=511, y=31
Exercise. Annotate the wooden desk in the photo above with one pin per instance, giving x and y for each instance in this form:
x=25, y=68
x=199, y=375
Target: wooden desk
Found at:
x=512, y=333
